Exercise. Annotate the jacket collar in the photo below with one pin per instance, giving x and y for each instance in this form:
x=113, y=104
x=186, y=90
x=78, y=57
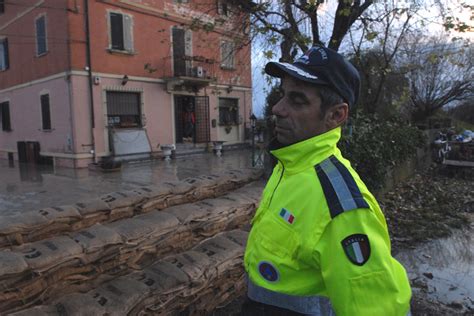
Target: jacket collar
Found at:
x=309, y=152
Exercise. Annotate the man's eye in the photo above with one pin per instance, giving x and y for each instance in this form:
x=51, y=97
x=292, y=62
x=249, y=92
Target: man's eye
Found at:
x=298, y=99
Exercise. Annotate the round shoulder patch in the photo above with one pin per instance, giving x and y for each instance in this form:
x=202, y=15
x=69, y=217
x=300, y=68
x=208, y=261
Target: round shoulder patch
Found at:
x=268, y=271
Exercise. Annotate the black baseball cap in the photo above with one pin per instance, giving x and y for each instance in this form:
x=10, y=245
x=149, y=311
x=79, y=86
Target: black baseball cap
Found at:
x=322, y=66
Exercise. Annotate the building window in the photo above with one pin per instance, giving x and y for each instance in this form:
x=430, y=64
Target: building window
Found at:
x=5, y=113
x=123, y=109
x=4, y=60
x=45, y=112
x=227, y=54
x=228, y=111
x=2, y=6
x=181, y=1
x=121, y=32
x=41, y=43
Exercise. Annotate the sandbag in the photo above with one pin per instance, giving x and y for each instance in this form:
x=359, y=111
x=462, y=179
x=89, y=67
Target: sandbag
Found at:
x=122, y=199
x=187, y=212
x=92, y=206
x=48, y=253
x=121, y=212
x=152, y=225
x=96, y=242
x=13, y=227
x=11, y=263
x=93, y=212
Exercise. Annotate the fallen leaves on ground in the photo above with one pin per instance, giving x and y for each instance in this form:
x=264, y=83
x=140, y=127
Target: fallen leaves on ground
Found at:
x=427, y=206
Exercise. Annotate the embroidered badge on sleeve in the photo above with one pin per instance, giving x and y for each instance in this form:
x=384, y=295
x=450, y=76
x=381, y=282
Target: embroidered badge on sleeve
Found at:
x=357, y=248
x=268, y=271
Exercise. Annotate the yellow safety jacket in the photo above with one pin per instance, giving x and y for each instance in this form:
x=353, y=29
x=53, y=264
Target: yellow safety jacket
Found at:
x=319, y=242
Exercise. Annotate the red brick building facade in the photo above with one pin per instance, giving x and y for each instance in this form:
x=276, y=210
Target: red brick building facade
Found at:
x=86, y=79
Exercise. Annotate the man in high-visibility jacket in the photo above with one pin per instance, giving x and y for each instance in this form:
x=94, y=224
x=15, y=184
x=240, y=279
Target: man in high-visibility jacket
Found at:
x=319, y=243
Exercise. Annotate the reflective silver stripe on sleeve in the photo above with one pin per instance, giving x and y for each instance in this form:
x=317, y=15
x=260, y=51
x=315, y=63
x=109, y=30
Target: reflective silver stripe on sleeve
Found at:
x=339, y=185
x=308, y=305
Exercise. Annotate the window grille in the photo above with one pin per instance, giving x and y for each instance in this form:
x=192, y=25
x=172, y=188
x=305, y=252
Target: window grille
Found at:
x=228, y=111
x=227, y=54
x=123, y=109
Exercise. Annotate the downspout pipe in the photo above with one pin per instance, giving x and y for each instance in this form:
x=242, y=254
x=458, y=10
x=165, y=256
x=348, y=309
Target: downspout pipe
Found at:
x=89, y=72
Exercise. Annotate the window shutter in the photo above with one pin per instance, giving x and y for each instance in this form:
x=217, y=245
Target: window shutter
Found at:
x=41, y=35
x=4, y=63
x=45, y=112
x=116, y=31
x=179, y=52
x=7, y=58
x=127, y=33
x=5, y=112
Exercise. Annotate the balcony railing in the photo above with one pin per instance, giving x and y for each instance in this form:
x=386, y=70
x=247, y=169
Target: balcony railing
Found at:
x=188, y=72
x=189, y=66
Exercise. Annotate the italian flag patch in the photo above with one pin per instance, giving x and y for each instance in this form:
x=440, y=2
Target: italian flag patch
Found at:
x=357, y=248
x=287, y=216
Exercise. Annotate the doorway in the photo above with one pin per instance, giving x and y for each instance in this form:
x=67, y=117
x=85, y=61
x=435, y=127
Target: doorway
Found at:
x=192, y=119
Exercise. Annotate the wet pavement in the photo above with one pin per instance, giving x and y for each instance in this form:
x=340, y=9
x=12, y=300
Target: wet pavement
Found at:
x=27, y=187
x=443, y=269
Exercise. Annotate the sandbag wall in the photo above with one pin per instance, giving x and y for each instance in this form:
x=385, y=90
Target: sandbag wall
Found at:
x=194, y=282
x=76, y=252
x=36, y=225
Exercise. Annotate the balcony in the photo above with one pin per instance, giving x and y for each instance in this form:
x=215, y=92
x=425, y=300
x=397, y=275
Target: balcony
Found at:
x=189, y=73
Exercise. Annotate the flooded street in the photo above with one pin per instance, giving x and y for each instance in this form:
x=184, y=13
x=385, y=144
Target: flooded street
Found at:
x=443, y=270
x=27, y=187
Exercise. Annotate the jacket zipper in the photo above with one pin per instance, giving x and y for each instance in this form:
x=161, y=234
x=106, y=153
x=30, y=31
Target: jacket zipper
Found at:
x=278, y=183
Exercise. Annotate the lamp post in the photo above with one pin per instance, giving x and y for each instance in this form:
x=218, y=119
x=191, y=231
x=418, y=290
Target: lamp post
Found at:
x=253, y=124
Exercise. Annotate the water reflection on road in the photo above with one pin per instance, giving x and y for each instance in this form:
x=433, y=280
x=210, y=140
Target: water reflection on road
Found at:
x=28, y=186
x=444, y=268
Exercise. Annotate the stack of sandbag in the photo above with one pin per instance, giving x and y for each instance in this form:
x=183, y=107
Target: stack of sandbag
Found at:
x=36, y=225
x=198, y=188
x=86, y=258
x=196, y=281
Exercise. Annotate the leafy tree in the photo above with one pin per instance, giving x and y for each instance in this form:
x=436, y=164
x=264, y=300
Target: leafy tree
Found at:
x=382, y=92
x=440, y=73
x=294, y=24
x=376, y=40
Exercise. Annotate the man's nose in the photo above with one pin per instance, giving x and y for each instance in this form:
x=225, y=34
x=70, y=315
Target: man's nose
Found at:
x=279, y=109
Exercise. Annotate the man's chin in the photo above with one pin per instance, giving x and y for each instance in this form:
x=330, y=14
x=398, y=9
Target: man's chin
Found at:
x=282, y=139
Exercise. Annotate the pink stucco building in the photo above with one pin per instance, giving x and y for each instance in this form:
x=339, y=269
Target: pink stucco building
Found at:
x=85, y=79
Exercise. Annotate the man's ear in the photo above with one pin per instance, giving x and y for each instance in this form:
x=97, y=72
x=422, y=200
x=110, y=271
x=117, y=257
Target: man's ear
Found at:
x=336, y=115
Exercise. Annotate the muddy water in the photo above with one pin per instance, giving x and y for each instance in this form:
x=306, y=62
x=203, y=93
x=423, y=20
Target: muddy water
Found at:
x=27, y=187
x=444, y=269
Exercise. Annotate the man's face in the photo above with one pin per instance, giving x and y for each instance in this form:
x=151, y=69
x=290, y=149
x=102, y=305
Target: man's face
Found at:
x=298, y=113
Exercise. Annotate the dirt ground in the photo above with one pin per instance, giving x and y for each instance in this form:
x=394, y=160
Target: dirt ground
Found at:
x=426, y=207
